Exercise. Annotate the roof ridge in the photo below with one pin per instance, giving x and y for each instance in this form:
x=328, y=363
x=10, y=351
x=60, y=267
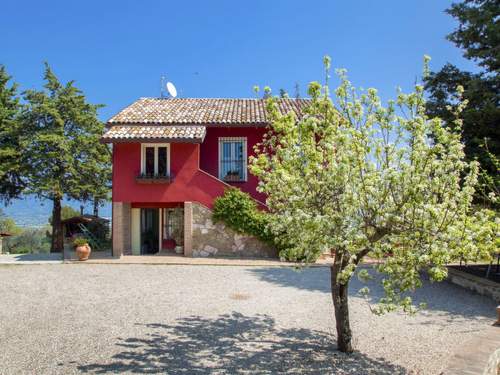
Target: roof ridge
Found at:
x=204, y=111
x=217, y=98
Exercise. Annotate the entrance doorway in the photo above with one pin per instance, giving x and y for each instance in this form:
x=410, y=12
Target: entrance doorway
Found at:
x=150, y=234
x=173, y=229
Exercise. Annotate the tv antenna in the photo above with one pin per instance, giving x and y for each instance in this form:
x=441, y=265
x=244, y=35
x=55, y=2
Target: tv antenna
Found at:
x=167, y=88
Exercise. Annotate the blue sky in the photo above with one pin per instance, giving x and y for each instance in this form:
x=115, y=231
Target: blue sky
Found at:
x=116, y=51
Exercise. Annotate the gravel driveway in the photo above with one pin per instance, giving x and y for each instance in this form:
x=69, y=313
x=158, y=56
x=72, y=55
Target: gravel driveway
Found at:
x=64, y=319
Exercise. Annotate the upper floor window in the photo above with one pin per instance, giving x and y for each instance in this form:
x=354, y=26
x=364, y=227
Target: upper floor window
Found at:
x=155, y=159
x=233, y=159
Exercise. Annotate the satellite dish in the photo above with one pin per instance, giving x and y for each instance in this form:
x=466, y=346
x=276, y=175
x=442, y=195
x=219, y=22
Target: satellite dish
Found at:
x=171, y=89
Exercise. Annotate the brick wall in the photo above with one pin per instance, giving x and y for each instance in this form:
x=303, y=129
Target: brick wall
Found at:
x=122, y=243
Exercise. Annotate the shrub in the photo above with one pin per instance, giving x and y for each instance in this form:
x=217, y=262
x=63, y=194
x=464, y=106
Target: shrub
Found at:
x=239, y=211
x=27, y=241
x=80, y=241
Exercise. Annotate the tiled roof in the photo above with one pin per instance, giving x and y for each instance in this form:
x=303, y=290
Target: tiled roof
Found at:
x=178, y=111
x=125, y=133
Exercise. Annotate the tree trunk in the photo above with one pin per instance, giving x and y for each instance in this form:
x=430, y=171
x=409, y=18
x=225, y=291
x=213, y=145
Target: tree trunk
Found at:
x=57, y=244
x=340, y=293
x=96, y=207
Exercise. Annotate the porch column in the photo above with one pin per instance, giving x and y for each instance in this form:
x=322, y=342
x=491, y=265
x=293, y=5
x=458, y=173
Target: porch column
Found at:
x=188, y=229
x=121, y=229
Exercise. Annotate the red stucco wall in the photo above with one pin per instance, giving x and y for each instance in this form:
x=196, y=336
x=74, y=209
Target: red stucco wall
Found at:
x=190, y=183
x=209, y=150
x=194, y=168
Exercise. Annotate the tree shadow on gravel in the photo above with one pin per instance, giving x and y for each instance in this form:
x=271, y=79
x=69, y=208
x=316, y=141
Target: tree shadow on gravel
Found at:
x=235, y=344
x=314, y=279
x=440, y=297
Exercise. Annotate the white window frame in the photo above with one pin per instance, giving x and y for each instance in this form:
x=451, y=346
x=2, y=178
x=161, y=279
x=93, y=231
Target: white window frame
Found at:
x=156, y=146
x=245, y=158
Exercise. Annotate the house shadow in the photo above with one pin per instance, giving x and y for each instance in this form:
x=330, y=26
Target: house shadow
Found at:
x=441, y=298
x=234, y=344
x=31, y=257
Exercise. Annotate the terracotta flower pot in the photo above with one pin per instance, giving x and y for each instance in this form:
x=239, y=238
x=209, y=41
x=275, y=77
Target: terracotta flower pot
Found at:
x=83, y=252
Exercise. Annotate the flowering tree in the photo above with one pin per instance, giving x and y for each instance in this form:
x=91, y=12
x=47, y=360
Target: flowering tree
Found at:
x=359, y=178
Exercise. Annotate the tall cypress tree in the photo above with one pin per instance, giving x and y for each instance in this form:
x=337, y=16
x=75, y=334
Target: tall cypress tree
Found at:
x=478, y=31
x=61, y=141
x=11, y=167
x=478, y=34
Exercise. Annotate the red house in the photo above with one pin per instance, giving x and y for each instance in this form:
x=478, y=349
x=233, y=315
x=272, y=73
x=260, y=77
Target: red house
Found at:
x=171, y=159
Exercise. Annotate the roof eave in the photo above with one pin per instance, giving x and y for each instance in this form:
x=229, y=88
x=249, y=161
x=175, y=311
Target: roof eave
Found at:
x=152, y=140
x=209, y=125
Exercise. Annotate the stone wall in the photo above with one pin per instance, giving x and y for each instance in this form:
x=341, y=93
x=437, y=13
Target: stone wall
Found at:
x=476, y=284
x=217, y=239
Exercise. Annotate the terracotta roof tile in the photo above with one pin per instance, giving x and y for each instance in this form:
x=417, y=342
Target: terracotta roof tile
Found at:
x=127, y=133
x=194, y=111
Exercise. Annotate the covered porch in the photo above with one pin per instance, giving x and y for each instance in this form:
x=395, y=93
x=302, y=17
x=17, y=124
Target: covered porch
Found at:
x=152, y=229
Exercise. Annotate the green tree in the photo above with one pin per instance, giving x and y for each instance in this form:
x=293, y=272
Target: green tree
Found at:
x=66, y=213
x=297, y=90
x=8, y=225
x=61, y=142
x=359, y=178
x=11, y=168
x=284, y=94
x=28, y=240
x=96, y=177
x=478, y=34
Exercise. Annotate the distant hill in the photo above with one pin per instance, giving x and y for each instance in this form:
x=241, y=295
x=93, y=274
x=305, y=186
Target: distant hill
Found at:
x=32, y=212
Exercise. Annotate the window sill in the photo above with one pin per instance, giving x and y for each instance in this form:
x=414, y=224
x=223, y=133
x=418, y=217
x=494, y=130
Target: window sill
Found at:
x=154, y=179
x=231, y=180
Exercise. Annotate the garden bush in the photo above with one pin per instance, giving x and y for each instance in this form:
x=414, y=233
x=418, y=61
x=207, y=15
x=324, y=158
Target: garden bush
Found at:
x=240, y=212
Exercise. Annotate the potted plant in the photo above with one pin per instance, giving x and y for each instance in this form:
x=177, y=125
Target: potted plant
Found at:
x=232, y=176
x=82, y=248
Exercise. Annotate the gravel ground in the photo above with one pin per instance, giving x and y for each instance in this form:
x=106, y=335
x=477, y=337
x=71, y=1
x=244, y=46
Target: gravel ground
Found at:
x=64, y=319
x=49, y=258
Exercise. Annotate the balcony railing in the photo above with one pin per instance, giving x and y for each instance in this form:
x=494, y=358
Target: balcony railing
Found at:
x=144, y=178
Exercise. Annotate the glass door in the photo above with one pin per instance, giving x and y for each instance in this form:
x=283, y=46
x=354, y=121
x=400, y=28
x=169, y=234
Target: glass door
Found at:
x=150, y=223
x=173, y=225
